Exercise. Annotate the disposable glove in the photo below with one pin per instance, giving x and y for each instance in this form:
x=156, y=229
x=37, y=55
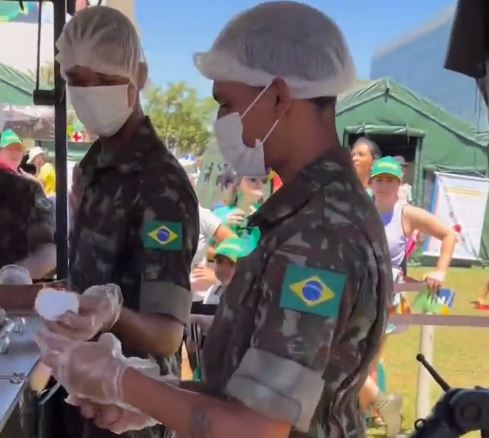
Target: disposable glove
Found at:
x=88, y=370
x=111, y=417
x=100, y=308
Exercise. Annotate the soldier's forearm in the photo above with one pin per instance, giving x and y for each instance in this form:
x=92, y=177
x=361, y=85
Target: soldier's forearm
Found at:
x=41, y=262
x=18, y=297
x=149, y=333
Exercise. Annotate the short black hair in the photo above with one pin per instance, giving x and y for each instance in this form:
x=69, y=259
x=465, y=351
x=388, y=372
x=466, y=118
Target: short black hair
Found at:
x=373, y=147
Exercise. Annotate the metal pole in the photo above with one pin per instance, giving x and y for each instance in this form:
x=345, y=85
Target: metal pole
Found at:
x=60, y=129
x=423, y=393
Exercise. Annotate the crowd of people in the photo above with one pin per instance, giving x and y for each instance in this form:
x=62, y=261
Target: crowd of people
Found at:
x=302, y=281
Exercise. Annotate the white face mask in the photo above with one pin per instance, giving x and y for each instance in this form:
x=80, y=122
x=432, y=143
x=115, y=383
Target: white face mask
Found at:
x=103, y=110
x=246, y=161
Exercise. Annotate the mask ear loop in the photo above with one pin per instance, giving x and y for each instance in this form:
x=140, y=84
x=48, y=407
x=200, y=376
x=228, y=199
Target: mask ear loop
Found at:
x=257, y=98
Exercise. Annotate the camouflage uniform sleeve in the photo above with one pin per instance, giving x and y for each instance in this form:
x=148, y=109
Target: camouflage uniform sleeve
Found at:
x=40, y=229
x=169, y=235
x=308, y=289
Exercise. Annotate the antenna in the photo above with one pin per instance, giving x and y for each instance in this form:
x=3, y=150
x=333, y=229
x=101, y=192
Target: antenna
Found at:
x=436, y=377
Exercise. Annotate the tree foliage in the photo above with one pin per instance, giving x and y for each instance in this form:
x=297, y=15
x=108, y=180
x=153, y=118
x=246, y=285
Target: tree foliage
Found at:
x=181, y=118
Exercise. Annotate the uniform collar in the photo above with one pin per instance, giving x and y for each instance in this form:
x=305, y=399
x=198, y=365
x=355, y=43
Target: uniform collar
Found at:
x=129, y=157
x=334, y=166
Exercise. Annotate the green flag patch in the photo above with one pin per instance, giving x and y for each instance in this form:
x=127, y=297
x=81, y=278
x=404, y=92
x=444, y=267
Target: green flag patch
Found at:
x=314, y=291
x=163, y=236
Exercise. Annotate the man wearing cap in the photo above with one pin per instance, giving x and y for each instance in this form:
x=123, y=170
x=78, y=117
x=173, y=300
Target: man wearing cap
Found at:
x=137, y=221
x=26, y=216
x=44, y=170
x=303, y=317
x=11, y=151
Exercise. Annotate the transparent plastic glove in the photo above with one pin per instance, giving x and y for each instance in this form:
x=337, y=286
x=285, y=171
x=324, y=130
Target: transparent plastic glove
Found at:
x=100, y=308
x=435, y=280
x=88, y=370
x=114, y=418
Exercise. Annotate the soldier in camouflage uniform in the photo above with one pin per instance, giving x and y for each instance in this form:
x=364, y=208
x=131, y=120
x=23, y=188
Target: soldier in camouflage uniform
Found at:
x=26, y=217
x=137, y=222
x=300, y=323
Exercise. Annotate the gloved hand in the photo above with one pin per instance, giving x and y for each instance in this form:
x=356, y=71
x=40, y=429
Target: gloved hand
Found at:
x=113, y=418
x=100, y=308
x=88, y=370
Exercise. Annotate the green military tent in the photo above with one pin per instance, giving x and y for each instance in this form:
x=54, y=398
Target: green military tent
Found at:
x=404, y=123
x=15, y=87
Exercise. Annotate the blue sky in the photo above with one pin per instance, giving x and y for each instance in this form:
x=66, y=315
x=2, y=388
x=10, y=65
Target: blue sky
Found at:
x=172, y=30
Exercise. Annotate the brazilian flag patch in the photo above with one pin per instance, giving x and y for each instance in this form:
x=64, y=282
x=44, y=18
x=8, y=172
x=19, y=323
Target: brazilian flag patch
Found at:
x=314, y=291
x=163, y=236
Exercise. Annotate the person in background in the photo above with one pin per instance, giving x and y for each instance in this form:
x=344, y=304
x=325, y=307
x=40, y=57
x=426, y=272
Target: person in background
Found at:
x=244, y=200
x=405, y=190
x=11, y=151
x=400, y=221
x=136, y=223
x=364, y=152
x=26, y=216
x=303, y=317
x=227, y=255
x=211, y=229
x=44, y=170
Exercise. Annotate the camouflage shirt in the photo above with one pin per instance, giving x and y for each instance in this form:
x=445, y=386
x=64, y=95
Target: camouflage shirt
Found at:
x=137, y=226
x=26, y=217
x=299, y=325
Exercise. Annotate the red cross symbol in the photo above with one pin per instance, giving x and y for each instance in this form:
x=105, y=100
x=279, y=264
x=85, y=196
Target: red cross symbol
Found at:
x=77, y=137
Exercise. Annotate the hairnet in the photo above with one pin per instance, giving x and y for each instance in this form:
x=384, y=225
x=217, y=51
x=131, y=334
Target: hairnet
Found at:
x=103, y=40
x=283, y=39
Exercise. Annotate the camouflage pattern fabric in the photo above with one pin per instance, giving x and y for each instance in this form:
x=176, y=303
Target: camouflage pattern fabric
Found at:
x=26, y=217
x=304, y=316
x=137, y=226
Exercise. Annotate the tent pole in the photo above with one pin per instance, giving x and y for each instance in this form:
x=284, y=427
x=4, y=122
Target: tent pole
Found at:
x=60, y=129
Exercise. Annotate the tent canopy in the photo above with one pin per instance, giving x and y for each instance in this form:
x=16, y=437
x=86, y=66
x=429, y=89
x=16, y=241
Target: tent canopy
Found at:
x=15, y=87
x=383, y=107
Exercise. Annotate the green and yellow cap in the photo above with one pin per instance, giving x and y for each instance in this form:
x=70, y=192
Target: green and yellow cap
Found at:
x=8, y=138
x=387, y=166
x=233, y=248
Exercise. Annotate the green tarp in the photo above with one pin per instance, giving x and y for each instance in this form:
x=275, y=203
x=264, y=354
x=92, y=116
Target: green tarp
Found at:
x=15, y=87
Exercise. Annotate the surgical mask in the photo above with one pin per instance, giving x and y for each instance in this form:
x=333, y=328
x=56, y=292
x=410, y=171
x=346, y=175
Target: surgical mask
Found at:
x=103, y=110
x=246, y=161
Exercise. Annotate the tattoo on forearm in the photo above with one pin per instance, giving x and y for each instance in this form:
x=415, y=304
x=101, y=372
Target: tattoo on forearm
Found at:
x=200, y=424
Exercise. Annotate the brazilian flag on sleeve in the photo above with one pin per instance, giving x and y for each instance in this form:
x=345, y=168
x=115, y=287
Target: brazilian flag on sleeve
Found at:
x=162, y=236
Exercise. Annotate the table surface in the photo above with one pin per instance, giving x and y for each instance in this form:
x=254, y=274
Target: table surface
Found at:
x=21, y=357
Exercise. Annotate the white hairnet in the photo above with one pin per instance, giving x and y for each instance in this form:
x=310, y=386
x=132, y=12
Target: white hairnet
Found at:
x=283, y=39
x=102, y=39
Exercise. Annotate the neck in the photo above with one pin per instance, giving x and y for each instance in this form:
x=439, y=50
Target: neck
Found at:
x=384, y=207
x=309, y=142
x=365, y=180
x=127, y=131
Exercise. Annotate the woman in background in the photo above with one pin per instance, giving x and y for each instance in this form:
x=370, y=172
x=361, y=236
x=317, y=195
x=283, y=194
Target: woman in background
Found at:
x=364, y=152
x=400, y=221
x=244, y=199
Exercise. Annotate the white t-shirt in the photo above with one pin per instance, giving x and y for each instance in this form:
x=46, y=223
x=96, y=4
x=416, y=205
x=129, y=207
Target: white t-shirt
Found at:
x=209, y=223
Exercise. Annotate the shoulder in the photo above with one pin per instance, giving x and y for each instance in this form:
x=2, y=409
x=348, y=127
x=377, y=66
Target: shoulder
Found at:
x=15, y=183
x=165, y=179
x=223, y=212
